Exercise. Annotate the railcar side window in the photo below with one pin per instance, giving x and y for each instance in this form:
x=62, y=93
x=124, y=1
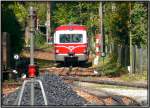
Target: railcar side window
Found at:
x=71, y=38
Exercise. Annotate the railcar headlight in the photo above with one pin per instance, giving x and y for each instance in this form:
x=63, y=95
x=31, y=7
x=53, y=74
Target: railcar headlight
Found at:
x=57, y=51
x=85, y=51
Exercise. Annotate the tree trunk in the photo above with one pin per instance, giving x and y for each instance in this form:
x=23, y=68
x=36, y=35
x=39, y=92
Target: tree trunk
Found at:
x=48, y=27
x=5, y=51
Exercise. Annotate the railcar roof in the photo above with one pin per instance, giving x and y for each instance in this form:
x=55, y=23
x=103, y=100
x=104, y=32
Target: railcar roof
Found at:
x=71, y=27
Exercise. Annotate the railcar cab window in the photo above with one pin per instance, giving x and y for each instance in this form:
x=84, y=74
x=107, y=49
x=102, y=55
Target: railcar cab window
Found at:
x=71, y=38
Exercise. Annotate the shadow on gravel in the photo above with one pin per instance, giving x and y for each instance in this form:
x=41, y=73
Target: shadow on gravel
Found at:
x=52, y=63
x=74, y=64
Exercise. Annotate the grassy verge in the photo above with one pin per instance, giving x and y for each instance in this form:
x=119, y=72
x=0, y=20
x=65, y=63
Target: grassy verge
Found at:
x=135, y=77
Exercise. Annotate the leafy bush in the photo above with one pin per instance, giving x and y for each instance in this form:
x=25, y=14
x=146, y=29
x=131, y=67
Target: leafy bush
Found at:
x=110, y=68
x=39, y=40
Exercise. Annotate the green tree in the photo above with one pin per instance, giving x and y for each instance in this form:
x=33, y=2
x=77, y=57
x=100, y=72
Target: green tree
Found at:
x=11, y=25
x=20, y=12
x=138, y=25
x=15, y=20
x=108, y=19
x=64, y=13
x=40, y=8
x=116, y=30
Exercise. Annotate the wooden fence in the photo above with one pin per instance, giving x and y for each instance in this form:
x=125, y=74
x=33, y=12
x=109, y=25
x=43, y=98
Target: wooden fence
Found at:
x=139, y=56
x=140, y=59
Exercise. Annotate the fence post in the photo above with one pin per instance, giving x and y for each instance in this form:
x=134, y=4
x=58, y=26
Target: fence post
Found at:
x=119, y=54
x=137, y=59
x=126, y=55
x=134, y=58
x=122, y=55
x=141, y=59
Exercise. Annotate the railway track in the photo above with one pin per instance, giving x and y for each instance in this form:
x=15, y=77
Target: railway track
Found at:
x=71, y=71
x=81, y=74
x=92, y=98
x=71, y=74
x=87, y=75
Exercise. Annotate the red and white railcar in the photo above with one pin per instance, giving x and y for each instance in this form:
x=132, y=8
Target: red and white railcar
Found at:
x=70, y=42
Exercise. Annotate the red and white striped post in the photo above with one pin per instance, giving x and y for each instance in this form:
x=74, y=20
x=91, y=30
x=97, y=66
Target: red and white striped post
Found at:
x=97, y=51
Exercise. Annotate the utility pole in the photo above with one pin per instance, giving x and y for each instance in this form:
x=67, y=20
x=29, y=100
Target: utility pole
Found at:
x=48, y=32
x=99, y=37
x=101, y=26
x=148, y=31
x=32, y=28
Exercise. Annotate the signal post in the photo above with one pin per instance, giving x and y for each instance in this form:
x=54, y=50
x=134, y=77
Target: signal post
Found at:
x=32, y=66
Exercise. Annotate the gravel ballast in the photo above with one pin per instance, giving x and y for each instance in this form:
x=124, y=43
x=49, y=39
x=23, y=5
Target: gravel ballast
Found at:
x=57, y=92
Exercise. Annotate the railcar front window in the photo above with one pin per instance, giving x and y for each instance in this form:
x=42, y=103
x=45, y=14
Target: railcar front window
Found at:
x=64, y=38
x=71, y=38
